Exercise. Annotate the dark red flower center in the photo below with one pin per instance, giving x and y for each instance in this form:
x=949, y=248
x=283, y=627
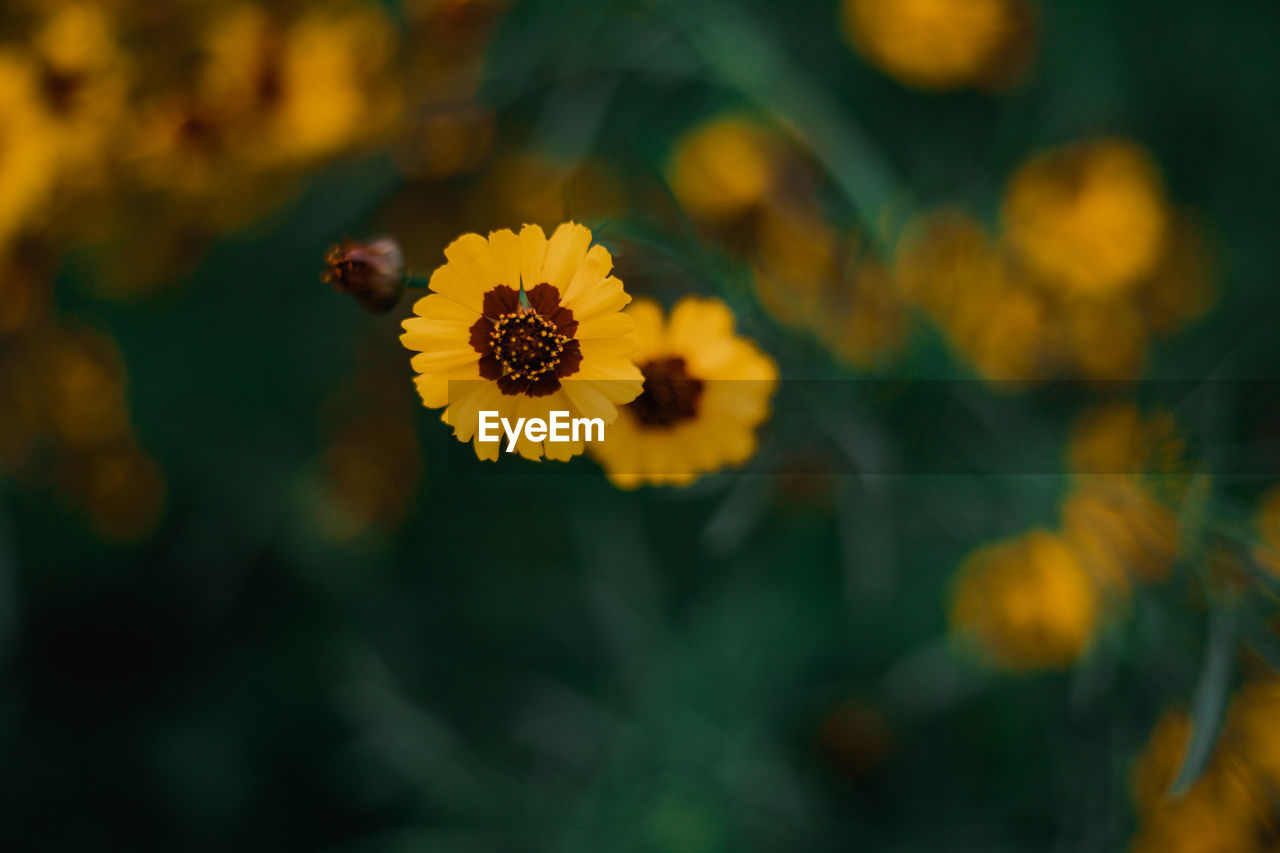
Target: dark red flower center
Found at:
x=670, y=394
x=527, y=344
x=526, y=349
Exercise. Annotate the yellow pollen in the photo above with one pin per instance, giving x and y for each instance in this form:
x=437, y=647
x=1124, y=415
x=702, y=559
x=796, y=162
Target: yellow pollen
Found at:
x=526, y=344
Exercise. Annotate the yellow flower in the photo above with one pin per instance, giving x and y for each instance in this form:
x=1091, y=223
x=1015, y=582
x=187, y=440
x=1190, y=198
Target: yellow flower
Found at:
x=1120, y=532
x=1007, y=306
x=315, y=87
x=1005, y=330
x=1105, y=339
x=331, y=85
x=524, y=325
x=1027, y=602
x=28, y=163
x=1117, y=439
x=993, y=316
x=1252, y=727
x=83, y=84
x=1196, y=824
x=722, y=169
x=942, y=44
x=797, y=257
x=865, y=320
x=1108, y=439
x=942, y=257
x=1222, y=811
x=809, y=278
x=1090, y=218
x=706, y=390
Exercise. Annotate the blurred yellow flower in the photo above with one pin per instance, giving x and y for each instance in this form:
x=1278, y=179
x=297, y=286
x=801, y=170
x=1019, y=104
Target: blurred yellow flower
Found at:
x=796, y=260
x=1117, y=438
x=333, y=91
x=864, y=323
x=1119, y=532
x=941, y=258
x=946, y=264
x=28, y=162
x=1027, y=602
x=198, y=157
x=810, y=278
x=1072, y=289
x=1104, y=339
x=1221, y=813
x=706, y=390
x=1252, y=726
x=83, y=84
x=942, y=44
x=1129, y=477
x=524, y=325
x=314, y=87
x=1109, y=439
x=722, y=169
x=1005, y=330
x=1196, y=824
x=1089, y=218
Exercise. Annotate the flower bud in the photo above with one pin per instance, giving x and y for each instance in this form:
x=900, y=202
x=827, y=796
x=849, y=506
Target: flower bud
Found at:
x=372, y=272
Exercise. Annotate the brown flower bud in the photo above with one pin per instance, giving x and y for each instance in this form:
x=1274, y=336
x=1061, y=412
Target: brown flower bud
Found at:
x=372, y=272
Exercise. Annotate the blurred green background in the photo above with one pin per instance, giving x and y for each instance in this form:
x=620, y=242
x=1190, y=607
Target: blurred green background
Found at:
x=269, y=614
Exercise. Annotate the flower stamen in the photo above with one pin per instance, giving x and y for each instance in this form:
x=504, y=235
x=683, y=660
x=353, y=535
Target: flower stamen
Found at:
x=526, y=344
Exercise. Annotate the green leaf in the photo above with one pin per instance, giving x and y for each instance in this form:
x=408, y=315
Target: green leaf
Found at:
x=1209, y=704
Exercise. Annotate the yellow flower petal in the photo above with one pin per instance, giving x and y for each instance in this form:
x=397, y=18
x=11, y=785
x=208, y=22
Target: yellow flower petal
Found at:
x=504, y=246
x=650, y=333
x=449, y=282
x=593, y=270
x=565, y=252
x=606, y=297
x=471, y=257
x=533, y=255
x=613, y=327
x=443, y=360
x=588, y=400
